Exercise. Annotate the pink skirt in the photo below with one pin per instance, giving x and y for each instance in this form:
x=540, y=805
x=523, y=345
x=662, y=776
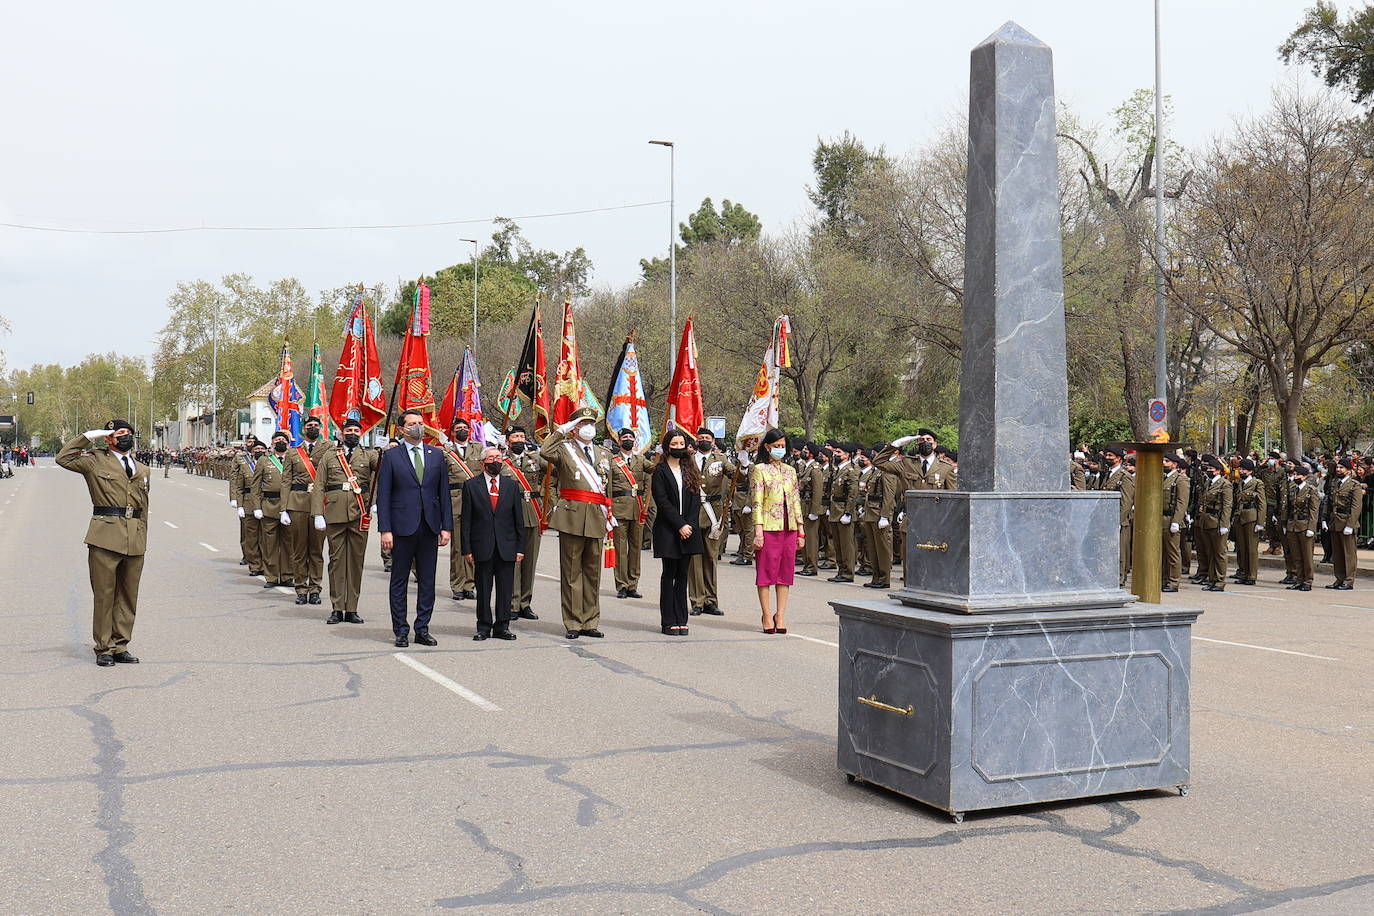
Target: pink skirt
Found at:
x=775, y=561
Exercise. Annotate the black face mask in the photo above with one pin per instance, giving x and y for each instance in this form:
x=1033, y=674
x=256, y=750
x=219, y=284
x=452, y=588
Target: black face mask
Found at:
x=312, y=433
x=124, y=443
x=924, y=448
x=280, y=446
x=351, y=441
x=678, y=453
x=517, y=448
x=493, y=467
x=461, y=435
x=627, y=444
x=257, y=456
x=706, y=445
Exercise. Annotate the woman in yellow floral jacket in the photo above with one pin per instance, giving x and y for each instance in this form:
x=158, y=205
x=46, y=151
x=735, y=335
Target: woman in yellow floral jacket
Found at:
x=776, y=507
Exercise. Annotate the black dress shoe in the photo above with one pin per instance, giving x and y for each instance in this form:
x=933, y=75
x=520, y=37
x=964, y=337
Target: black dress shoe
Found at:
x=105, y=660
x=633, y=593
x=124, y=658
x=840, y=579
x=301, y=599
x=1169, y=588
x=479, y=636
x=621, y=593
x=741, y=561
x=402, y=642
x=502, y=634
x=1247, y=581
x=669, y=631
x=1288, y=580
x=424, y=639
x=527, y=614
x=1334, y=585
x=713, y=609
x=808, y=574
x=571, y=634
x=470, y=595
x=1305, y=587
x=694, y=612
x=593, y=632
x=1345, y=588
x=269, y=585
x=314, y=597
x=334, y=617
x=352, y=617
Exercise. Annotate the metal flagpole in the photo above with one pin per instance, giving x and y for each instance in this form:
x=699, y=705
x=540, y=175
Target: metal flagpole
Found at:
x=1161, y=367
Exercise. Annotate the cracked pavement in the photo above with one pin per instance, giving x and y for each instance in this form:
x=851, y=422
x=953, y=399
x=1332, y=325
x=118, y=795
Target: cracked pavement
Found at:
x=259, y=761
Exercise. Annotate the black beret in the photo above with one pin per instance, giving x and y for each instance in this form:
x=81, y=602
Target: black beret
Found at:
x=1246, y=464
x=1347, y=463
x=625, y=431
x=353, y=423
x=1212, y=461
x=1275, y=455
x=926, y=432
x=315, y=420
x=705, y=431
x=281, y=434
x=120, y=424
x=1116, y=450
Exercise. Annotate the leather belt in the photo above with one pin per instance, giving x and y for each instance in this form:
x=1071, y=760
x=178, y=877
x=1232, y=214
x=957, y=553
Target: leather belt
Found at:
x=455, y=486
x=117, y=511
x=245, y=489
x=271, y=494
x=300, y=487
x=616, y=494
x=332, y=487
x=713, y=499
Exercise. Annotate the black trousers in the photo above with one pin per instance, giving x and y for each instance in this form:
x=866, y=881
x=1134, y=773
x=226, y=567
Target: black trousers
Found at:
x=502, y=573
x=420, y=550
x=672, y=591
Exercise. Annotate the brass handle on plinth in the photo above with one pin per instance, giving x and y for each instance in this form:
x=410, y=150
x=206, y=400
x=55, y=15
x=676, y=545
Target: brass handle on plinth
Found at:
x=942, y=546
x=878, y=704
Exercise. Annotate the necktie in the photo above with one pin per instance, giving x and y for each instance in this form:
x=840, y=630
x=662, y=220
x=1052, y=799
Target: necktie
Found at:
x=495, y=494
x=418, y=459
x=588, y=450
x=925, y=467
x=128, y=468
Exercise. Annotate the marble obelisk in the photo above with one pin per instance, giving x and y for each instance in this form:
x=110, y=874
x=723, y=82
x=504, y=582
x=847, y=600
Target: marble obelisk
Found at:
x=1014, y=669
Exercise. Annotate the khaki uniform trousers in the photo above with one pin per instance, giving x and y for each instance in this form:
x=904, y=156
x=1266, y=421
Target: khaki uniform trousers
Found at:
x=843, y=548
x=274, y=560
x=1343, y=556
x=1216, y=555
x=347, y=548
x=579, y=580
x=701, y=573
x=744, y=525
x=1185, y=552
x=880, y=553
x=1173, y=564
x=1247, y=550
x=811, y=549
x=524, y=570
x=629, y=544
x=114, y=586
x=314, y=555
x=1124, y=561
x=459, y=570
x=1300, y=546
x=1290, y=552
x=296, y=538
x=250, y=540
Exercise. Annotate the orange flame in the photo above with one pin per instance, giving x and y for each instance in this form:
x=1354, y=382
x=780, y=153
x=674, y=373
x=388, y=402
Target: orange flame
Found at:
x=1160, y=435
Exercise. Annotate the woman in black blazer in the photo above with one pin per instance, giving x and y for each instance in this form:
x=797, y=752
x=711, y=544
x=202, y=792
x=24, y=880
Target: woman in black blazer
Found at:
x=676, y=487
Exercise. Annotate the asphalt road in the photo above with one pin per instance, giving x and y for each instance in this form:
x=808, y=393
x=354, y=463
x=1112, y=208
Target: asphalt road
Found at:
x=258, y=761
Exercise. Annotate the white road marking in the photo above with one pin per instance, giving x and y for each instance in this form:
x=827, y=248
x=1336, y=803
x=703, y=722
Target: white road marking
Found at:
x=208, y=547
x=169, y=524
x=284, y=590
x=1357, y=607
x=814, y=639
x=1250, y=595
x=1246, y=645
x=476, y=700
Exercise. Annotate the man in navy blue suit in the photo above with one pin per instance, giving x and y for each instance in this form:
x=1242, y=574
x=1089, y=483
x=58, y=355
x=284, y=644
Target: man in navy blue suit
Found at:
x=415, y=518
x=493, y=538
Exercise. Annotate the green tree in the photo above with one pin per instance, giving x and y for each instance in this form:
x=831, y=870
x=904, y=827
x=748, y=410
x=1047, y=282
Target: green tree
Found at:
x=1340, y=51
x=730, y=225
x=841, y=167
x=503, y=292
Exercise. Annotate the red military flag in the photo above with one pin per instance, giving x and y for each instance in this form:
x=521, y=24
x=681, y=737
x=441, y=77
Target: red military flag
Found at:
x=357, y=391
x=413, y=389
x=685, y=408
x=463, y=399
x=569, y=388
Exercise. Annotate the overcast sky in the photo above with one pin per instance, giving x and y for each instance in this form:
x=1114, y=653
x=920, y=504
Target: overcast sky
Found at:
x=150, y=115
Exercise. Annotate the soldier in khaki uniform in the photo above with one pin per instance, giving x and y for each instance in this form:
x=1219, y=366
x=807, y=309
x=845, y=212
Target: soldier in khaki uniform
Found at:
x=530, y=466
x=1304, y=504
x=295, y=520
x=877, y=497
x=117, y=536
x=582, y=473
x=716, y=469
x=844, y=492
x=240, y=488
x=1119, y=479
x=810, y=489
x=464, y=460
x=629, y=504
x=740, y=511
x=316, y=450
x=826, y=459
x=1214, y=521
x=1175, y=501
x=1251, y=511
x=1347, y=499
x=1272, y=477
x=345, y=481
x=271, y=484
x=925, y=470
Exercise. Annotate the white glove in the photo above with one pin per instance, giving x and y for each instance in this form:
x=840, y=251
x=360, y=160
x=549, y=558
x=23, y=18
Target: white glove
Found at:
x=374, y=509
x=1259, y=529
x=1222, y=531
x=1188, y=519
x=257, y=513
x=905, y=440
x=1309, y=532
x=319, y=523
x=1173, y=528
x=746, y=510
x=233, y=504
x=1324, y=526
x=901, y=517
x=883, y=523
x=569, y=426
x=845, y=519
x=242, y=514
x=812, y=518
x=1347, y=530
x=285, y=517
x=95, y=435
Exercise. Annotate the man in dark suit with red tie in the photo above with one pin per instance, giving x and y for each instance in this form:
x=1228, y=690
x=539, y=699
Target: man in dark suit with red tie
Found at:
x=415, y=518
x=492, y=540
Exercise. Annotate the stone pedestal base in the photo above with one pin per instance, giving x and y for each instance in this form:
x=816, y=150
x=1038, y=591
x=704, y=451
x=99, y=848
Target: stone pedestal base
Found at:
x=967, y=713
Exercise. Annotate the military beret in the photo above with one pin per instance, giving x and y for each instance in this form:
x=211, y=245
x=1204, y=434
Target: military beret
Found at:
x=353, y=423
x=459, y=421
x=1347, y=463
x=626, y=432
x=315, y=420
x=281, y=434
x=1275, y=455
x=1212, y=461
x=926, y=432
x=1116, y=450
x=120, y=424
x=1246, y=464
x=1300, y=468
x=953, y=456
x=1171, y=457
x=705, y=431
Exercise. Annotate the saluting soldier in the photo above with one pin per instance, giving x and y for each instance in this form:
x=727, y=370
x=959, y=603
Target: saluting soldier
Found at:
x=877, y=493
x=464, y=460
x=1347, y=499
x=925, y=470
x=1303, y=509
x=629, y=505
x=117, y=536
x=582, y=517
x=1078, y=480
x=1176, y=491
x=1248, y=522
x=1214, y=521
x=317, y=449
x=271, y=483
x=810, y=489
x=240, y=488
x=716, y=469
x=844, y=496
x=527, y=467
x=1119, y=479
x=345, y=482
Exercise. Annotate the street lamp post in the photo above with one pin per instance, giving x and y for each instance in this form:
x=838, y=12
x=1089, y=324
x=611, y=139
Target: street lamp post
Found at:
x=672, y=253
x=474, y=294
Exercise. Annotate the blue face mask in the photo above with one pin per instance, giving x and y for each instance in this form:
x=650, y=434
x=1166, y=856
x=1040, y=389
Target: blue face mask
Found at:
x=778, y=453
